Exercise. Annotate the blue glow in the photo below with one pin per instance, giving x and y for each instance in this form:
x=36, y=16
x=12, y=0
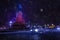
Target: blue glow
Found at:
x=31, y=30
x=58, y=28
x=36, y=30
x=19, y=7
x=10, y=22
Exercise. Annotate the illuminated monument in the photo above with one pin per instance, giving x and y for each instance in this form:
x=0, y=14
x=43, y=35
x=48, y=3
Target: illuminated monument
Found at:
x=19, y=21
x=19, y=18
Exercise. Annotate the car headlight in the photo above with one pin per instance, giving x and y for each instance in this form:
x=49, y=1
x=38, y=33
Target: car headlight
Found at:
x=58, y=28
x=31, y=30
x=36, y=30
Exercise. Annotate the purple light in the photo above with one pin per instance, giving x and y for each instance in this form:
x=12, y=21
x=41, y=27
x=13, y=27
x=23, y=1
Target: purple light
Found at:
x=10, y=22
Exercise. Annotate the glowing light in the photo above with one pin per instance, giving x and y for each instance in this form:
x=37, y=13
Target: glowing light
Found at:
x=31, y=30
x=20, y=18
x=10, y=22
x=58, y=28
x=36, y=30
x=52, y=24
x=41, y=10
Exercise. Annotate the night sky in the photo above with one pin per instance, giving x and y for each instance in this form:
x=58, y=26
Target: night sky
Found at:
x=36, y=11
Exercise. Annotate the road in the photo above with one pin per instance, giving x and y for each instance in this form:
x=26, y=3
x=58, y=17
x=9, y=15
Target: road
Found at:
x=28, y=35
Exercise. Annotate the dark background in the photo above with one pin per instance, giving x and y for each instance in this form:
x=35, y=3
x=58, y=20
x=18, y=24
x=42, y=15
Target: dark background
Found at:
x=31, y=10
